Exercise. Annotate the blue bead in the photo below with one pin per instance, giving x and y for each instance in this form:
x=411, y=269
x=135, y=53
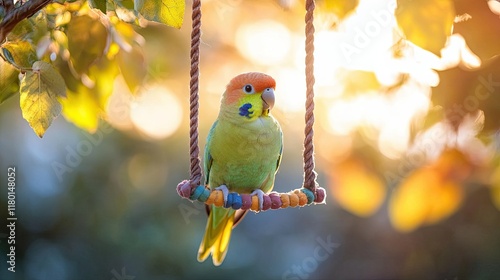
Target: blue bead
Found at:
x=237, y=202
x=197, y=192
x=204, y=196
x=229, y=200
x=309, y=194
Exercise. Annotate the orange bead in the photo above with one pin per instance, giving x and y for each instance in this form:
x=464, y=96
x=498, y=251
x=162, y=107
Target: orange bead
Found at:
x=211, y=198
x=285, y=200
x=302, y=197
x=219, y=198
x=255, y=204
x=294, y=199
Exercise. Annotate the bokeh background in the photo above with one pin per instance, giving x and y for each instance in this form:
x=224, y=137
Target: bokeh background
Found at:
x=407, y=147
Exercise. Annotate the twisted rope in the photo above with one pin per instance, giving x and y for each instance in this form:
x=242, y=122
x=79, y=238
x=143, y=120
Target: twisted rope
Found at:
x=308, y=154
x=310, y=191
x=194, y=149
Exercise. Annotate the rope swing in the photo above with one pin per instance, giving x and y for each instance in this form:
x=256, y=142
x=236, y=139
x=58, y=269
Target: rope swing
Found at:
x=309, y=193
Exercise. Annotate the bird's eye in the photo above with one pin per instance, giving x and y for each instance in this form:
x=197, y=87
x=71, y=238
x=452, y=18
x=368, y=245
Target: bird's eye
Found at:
x=248, y=89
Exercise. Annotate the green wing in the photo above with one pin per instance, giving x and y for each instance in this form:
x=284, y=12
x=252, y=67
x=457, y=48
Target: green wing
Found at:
x=207, y=157
x=278, y=162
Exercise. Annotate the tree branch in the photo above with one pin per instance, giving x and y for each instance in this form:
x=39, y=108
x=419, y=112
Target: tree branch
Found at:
x=8, y=4
x=14, y=15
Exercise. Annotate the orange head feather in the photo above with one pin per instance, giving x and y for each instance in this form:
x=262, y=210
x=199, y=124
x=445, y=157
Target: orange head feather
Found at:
x=259, y=81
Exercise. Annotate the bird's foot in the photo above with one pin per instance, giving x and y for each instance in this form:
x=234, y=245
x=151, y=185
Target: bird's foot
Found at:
x=260, y=195
x=225, y=192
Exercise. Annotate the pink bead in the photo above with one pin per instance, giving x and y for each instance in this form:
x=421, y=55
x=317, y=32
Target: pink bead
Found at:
x=246, y=201
x=275, y=200
x=320, y=195
x=266, y=205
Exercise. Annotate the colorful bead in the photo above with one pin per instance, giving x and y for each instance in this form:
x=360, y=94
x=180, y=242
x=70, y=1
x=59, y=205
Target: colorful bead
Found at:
x=275, y=200
x=266, y=205
x=229, y=200
x=237, y=202
x=219, y=198
x=211, y=199
x=302, y=197
x=255, y=204
x=204, y=196
x=294, y=199
x=285, y=200
x=309, y=194
x=246, y=201
x=320, y=195
x=198, y=191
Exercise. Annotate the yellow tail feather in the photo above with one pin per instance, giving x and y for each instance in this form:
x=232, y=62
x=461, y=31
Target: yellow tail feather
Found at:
x=217, y=235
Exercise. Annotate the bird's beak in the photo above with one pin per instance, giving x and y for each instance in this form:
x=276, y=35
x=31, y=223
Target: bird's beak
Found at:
x=268, y=98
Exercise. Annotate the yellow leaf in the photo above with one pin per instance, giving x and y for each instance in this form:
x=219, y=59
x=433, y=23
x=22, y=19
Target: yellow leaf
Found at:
x=425, y=197
x=103, y=73
x=85, y=106
x=426, y=23
x=40, y=89
x=82, y=109
x=446, y=198
x=9, y=81
x=87, y=40
x=133, y=67
x=20, y=53
x=454, y=165
x=409, y=203
x=169, y=12
x=356, y=188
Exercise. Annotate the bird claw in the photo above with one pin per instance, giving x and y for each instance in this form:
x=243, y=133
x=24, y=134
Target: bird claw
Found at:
x=225, y=192
x=260, y=195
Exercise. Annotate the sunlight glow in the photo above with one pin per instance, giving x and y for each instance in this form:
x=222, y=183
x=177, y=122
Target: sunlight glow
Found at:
x=290, y=89
x=266, y=42
x=391, y=116
x=118, y=107
x=156, y=112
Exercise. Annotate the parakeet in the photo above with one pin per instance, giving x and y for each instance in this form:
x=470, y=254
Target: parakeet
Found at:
x=242, y=154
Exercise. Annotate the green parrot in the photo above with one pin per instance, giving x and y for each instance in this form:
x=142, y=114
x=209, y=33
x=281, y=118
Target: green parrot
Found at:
x=242, y=154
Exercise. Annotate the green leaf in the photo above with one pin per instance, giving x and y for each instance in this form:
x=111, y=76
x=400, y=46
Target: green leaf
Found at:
x=169, y=12
x=124, y=10
x=21, y=31
x=40, y=90
x=98, y=4
x=9, y=81
x=20, y=53
x=87, y=39
x=426, y=23
x=133, y=67
x=41, y=27
x=128, y=4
